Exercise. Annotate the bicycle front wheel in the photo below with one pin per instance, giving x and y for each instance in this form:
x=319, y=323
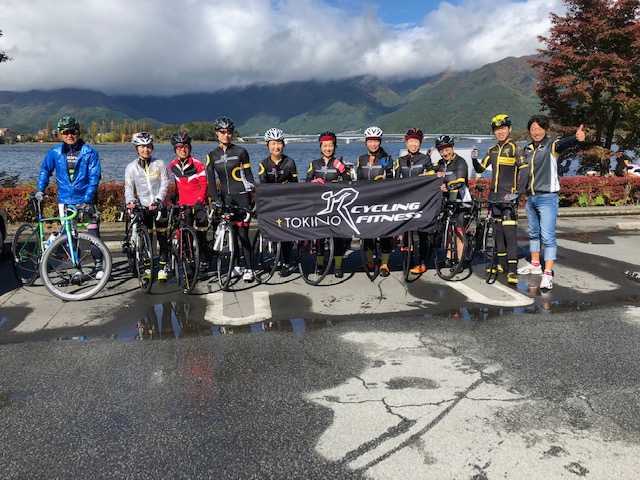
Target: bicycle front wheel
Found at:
x=410, y=257
x=490, y=251
x=68, y=268
x=226, y=259
x=26, y=250
x=266, y=255
x=447, y=265
x=187, y=259
x=144, y=259
x=314, y=259
x=371, y=258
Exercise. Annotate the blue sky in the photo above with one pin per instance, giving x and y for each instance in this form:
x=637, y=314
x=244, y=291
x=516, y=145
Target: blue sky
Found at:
x=166, y=47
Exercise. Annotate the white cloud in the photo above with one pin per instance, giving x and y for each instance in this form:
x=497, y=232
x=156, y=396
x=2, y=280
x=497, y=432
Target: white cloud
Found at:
x=167, y=47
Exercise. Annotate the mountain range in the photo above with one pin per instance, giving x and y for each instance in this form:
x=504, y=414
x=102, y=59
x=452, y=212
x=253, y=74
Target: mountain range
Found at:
x=448, y=103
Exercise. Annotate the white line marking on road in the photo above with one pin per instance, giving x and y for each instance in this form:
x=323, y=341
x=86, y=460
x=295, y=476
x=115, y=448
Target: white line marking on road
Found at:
x=215, y=310
x=517, y=299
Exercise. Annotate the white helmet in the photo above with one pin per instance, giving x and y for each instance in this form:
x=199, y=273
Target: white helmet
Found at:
x=373, y=132
x=141, y=138
x=274, y=134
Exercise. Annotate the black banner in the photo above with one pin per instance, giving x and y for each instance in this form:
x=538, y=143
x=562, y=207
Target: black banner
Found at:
x=299, y=211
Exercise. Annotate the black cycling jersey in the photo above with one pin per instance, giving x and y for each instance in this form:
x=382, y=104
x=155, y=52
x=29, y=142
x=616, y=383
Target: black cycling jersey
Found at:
x=376, y=166
x=414, y=165
x=506, y=160
x=456, y=176
x=327, y=171
x=282, y=172
x=233, y=169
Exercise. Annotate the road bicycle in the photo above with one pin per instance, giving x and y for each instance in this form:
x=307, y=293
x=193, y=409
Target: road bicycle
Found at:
x=267, y=256
x=225, y=246
x=138, y=247
x=314, y=258
x=184, y=250
x=64, y=262
x=450, y=253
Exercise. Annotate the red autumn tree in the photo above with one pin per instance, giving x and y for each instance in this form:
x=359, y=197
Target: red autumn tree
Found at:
x=590, y=71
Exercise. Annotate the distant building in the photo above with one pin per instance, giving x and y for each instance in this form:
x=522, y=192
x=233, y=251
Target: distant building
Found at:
x=8, y=135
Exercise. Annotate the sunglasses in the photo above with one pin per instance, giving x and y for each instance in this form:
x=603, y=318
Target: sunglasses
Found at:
x=182, y=147
x=70, y=132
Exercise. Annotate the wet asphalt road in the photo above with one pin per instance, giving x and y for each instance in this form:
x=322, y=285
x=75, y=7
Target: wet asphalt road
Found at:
x=526, y=385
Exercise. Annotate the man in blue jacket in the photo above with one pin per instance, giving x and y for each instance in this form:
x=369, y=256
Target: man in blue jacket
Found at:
x=77, y=167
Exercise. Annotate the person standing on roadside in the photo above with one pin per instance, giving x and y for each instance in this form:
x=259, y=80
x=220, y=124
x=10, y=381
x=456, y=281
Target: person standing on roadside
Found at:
x=543, y=186
x=375, y=165
x=147, y=180
x=416, y=163
x=78, y=171
x=190, y=176
x=506, y=159
x=278, y=168
x=230, y=163
x=329, y=168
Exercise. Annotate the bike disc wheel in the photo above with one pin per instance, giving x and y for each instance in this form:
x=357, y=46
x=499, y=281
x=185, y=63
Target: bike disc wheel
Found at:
x=225, y=258
x=26, y=250
x=187, y=259
x=144, y=259
x=266, y=256
x=312, y=269
x=70, y=280
x=490, y=252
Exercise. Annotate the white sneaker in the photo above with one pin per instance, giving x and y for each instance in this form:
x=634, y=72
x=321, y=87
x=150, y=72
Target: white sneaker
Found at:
x=248, y=275
x=529, y=269
x=99, y=274
x=547, y=281
x=237, y=272
x=162, y=275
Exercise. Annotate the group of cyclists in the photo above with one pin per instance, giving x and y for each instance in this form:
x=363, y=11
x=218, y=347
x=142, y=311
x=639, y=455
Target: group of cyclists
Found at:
x=225, y=176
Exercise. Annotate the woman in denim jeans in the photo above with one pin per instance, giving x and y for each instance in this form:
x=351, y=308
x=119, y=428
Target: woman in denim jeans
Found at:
x=543, y=187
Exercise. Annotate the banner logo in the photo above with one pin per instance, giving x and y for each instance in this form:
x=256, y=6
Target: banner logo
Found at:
x=338, y=202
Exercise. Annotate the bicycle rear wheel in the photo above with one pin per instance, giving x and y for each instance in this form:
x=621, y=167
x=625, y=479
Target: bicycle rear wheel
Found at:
x=266, y=255
x=26, y=250
x=226, y=259
x=187, y=259
x=490, y=251
x=315, y=258
x=144, y=259
x=70, y=279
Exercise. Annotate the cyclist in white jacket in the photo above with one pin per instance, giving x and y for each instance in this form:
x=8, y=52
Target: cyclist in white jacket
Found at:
x=147, y=180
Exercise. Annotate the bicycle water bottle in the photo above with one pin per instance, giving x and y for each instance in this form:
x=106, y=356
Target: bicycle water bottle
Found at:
x=50, y=240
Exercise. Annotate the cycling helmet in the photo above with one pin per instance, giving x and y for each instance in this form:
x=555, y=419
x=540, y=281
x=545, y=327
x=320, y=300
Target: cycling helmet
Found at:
x=68, y=123
x=501, y=120
x=444, y=141
x=373, y=132
x=274, y=134
x=180, y=137
x=328, y=137
x=141, y=138
x=224, y=122
x=414, y=133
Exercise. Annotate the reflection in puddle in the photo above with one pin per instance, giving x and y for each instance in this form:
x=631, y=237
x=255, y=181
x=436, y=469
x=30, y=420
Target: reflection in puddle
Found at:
x=480, y=314
x=172, y=320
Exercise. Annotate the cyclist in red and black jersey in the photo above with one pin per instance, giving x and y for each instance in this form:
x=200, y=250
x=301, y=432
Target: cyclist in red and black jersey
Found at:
x=506, y=159
x=376, y=165
x=416, y=163
x=325, y=169
x=278, y=168
x=230, y=164
x=190, y=177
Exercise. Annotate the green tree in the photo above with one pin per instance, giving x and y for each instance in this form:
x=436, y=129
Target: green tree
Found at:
x=94, y=131
x=3, y=56
x=590, y=72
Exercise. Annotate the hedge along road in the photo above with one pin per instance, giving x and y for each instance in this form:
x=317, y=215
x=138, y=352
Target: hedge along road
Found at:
x=594, y=253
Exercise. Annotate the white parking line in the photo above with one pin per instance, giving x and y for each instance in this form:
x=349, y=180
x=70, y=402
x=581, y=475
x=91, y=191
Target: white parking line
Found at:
x=215, y=309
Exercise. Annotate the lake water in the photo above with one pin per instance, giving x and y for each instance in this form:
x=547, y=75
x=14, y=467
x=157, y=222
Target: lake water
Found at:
x=24, y=160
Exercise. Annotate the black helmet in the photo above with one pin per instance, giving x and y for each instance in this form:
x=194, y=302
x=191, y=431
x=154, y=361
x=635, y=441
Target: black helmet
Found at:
x=501, y=120
x=224, y=122
x=180, y=137
x=414, y=133
x=444, y=141
x=328, y=137
x=68, y=123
